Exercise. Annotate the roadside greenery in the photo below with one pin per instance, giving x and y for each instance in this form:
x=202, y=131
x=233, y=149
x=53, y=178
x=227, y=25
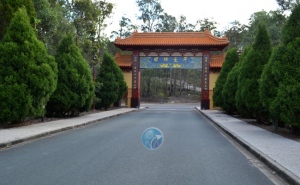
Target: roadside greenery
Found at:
x=28, y=75
x=251, y=70
x=230, y=89
x=230, y=60
x=113, y=85
x=286, y=73
x=121, y=82
x=240, y=102
x=75, y=87
x=268, y=79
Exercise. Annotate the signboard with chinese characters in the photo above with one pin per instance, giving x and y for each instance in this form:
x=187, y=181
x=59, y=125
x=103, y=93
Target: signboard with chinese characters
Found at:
x=135, y=72
x=205, y=73
x=205, y=77
x=171, y=62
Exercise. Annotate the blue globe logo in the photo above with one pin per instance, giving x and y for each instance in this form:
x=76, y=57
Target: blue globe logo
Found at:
x=152, y=138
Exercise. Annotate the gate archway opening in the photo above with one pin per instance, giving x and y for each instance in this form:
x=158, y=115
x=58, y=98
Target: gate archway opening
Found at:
x=173, y=85
x=191, y=50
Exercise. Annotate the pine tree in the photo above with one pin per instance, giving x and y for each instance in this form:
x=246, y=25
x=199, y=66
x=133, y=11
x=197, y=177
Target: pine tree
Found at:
x=121, y=82
x=28, y=75
x=109, y=92
x=230, y=60
x=239, y=99
x=284, y=71
x=268, y=88
x=291, y=29
x=75, y=87
x=230, y=89
x=251, y=71
x=9, y=7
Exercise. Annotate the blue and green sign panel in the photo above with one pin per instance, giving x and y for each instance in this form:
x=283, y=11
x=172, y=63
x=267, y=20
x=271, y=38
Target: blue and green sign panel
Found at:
x=171, y=62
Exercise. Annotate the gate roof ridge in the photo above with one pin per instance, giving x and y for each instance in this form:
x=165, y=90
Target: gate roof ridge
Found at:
x=171, y=39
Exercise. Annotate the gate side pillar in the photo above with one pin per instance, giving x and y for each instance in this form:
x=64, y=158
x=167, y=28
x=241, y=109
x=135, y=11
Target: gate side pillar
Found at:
x=205, y=101
x=135, y=98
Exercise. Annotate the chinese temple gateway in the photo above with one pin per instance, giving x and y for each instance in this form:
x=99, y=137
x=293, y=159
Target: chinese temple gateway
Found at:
x=189, y=50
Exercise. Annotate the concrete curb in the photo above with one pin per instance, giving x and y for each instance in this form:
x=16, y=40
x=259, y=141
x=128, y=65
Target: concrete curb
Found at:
x=276, y=167
x=44, y=134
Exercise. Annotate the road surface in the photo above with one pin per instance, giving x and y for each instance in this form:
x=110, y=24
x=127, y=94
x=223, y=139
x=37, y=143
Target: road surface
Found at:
x=111, y=152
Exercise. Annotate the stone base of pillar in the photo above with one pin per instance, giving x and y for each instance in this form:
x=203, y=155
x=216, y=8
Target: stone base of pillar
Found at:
x=204, y=104
x=135, y=102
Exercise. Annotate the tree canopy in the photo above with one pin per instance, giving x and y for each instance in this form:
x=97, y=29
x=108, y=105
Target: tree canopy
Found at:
x=151, y=14
x=230, y=89
x=239, y=99
x=110, y=87
x=75, y=87
x=9, y=7
x=286, y=72
x=28, y=73
x=230, y=60
x=251, y=71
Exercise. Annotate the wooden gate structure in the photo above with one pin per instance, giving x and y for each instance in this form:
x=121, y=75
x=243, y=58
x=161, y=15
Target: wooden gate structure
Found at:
x=171, y=50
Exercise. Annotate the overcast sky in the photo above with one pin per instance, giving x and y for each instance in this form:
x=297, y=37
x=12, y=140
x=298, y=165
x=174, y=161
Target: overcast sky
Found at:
x=221, y=11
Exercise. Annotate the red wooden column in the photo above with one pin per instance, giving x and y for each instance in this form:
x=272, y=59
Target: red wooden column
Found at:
x=205, y=80
x=135, y=99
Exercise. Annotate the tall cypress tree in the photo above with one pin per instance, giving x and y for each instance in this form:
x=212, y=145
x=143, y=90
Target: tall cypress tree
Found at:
x=28, y=75
x=75, y=87
x=109, y=92
x=230, y=60
x=286, y=71
x=239, y=99
x=230, y=89
x=121, y=82
x=251, y=71
x=268, y=88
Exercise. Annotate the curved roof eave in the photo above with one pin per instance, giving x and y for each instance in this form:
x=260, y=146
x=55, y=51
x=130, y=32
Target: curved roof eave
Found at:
x=171, y=39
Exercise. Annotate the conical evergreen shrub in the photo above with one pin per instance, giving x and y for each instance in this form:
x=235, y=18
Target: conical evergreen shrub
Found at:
x=109, y=92
x=75, y=86
x=28, y=75
x=251, y=71
x=231, y=59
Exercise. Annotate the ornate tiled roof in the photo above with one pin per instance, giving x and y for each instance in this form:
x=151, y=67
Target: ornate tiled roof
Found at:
x=123, y=61
x=172, y=39
x=216, y=61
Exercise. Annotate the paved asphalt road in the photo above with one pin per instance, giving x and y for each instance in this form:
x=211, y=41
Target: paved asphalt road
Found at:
x=111, y=152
